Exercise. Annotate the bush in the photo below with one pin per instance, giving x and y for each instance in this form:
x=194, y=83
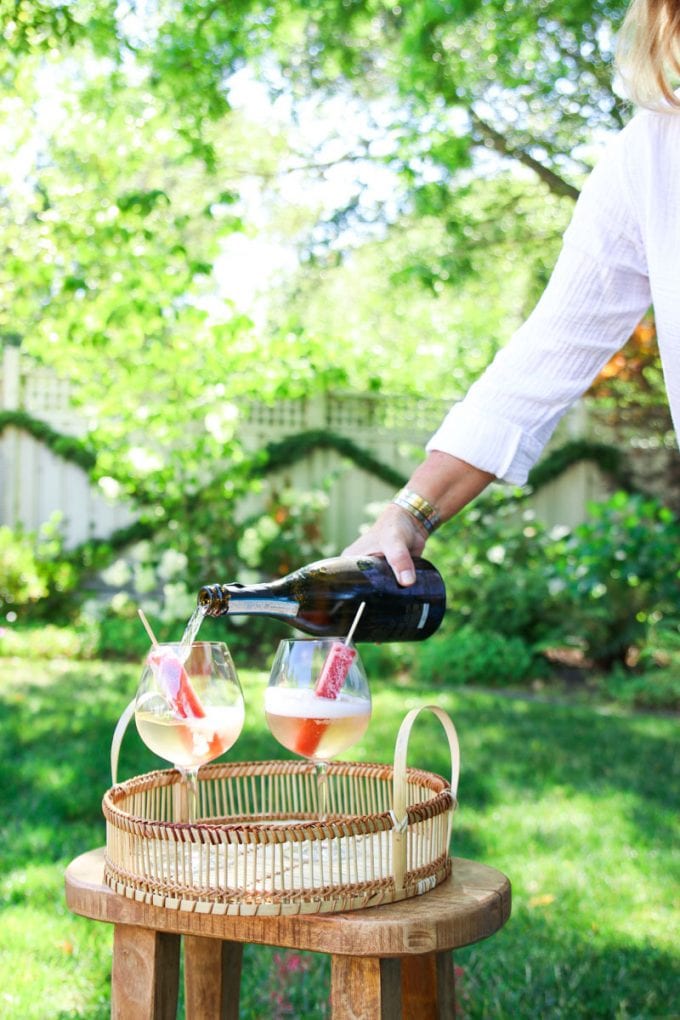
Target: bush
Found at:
x=599, y=586
x=494, y=557
x=619, y=572
x=475, y=657
x=655, y=689
x=384, y=661
x=46, y=641
x=21, y=579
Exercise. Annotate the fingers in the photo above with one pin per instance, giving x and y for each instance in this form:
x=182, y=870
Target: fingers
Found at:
x=397, y=537
x=401, y=562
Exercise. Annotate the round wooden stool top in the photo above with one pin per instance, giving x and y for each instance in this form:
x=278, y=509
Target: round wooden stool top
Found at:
x=471, y=905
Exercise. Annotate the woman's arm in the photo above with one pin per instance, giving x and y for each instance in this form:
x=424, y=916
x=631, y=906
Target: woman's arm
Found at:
x=597, y=293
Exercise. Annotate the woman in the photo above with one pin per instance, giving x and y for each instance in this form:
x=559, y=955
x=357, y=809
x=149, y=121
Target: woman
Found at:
x=621, y=253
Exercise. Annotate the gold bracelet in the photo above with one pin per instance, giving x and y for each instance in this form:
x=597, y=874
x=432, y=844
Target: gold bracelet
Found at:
x=420, y=508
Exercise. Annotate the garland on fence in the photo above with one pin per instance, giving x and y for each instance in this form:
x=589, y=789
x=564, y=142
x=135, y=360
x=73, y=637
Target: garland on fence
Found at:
x=609, y=459
x=295, y=448
x=67, y=447
x=291, y=450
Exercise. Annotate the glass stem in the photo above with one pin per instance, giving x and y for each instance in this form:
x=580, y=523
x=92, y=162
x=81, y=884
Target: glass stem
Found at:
x=322, y=789
x=186, y=805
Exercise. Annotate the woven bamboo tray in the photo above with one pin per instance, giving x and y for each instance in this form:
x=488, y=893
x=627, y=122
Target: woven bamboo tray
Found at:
x=257, y=848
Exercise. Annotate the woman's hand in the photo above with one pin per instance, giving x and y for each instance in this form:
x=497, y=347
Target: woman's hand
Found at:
x=398, y=537
x=447, y=484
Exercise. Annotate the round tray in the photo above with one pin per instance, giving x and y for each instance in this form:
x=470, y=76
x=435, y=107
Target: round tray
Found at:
x=258, y=849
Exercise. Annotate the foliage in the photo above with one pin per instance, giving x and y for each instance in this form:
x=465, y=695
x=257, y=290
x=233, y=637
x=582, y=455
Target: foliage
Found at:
x=599, y=586
x=67, y=447
x=288, y=533
x=20, y=579
x=619, y=571
x=472, y=656
x=128, y=245
x=494, y=558
x=610, y=459
x=653, y=689
x=131, y=168
x=33, y=566
x=294, y=448
x=48, y=641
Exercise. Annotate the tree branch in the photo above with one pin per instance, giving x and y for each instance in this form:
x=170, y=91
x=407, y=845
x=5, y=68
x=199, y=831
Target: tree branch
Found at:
x=495, y=140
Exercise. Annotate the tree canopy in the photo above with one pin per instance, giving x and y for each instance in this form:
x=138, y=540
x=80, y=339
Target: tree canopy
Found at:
x=421, y=159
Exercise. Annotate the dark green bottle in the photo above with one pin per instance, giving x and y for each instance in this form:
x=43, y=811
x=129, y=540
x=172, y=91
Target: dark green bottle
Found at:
x=323, y=598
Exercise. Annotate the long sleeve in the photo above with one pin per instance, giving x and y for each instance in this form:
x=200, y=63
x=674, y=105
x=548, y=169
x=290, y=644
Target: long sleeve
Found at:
x=598, y=292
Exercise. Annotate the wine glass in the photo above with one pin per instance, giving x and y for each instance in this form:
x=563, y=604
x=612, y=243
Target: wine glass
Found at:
x=317, y=702
x=189, y=709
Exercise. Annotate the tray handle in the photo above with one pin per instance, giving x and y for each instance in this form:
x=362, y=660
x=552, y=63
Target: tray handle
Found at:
x=117, y=739
x=399, y=786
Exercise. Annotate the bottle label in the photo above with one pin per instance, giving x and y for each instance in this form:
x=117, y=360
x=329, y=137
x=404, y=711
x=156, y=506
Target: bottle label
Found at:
x=424, y=615
x=266, y=607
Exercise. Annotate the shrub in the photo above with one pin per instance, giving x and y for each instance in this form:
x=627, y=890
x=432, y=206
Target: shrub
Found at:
x=475, y=657
x=383, y=662
x=655, y=689
x=619, y=572
x=494, y=557
x=599, y=586
x=46, y=641
x=21, y=579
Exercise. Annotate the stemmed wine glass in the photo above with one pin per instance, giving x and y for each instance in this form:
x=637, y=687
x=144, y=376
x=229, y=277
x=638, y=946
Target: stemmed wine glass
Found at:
x=317, y=702
x=189, y=709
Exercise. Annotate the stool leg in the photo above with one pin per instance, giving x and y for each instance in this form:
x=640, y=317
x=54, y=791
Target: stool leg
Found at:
x=365, y=988
x=428, y=987
x=212, y=978
x=145, y=974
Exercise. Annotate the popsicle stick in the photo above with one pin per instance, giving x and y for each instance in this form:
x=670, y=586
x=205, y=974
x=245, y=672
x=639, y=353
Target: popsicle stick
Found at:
x=147, y=627
x=355, y=621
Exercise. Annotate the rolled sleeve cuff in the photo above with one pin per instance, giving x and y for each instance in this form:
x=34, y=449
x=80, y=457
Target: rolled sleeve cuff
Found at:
x=490, y=444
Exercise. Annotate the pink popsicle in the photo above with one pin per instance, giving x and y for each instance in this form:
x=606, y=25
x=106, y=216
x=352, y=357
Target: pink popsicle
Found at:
x=335, y=670
x=174, y=680
x=332, y=677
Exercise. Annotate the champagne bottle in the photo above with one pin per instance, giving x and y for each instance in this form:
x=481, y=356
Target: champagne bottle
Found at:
x=322, y=599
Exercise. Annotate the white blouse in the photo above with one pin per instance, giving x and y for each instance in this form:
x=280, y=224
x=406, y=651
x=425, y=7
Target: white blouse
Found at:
x=621, y=253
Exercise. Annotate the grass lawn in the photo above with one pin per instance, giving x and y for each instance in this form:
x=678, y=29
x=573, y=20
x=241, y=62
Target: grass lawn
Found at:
x=577, y=805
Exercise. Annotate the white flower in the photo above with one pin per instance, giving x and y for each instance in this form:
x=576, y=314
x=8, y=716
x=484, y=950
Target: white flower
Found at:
x=496, y=554
x=558, y=532
x=110, y=487
x=141, y=551
x=172, y=563
x=119, y=602
x=118, y=574
x=145, y=579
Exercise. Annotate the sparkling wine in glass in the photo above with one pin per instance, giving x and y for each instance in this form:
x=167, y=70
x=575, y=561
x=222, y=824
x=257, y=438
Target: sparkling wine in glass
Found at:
x=189, y=709
x=317, y=703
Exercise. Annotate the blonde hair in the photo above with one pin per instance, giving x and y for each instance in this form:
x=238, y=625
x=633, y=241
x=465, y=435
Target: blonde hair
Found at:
x=648, y=53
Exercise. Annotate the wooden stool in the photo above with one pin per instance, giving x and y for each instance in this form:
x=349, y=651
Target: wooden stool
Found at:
x=386, y=962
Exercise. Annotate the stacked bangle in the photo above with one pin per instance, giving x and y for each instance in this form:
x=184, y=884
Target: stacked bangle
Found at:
x=418, y=507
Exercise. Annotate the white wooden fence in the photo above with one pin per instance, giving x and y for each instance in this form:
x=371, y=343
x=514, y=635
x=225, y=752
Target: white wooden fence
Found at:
x=34, y=482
